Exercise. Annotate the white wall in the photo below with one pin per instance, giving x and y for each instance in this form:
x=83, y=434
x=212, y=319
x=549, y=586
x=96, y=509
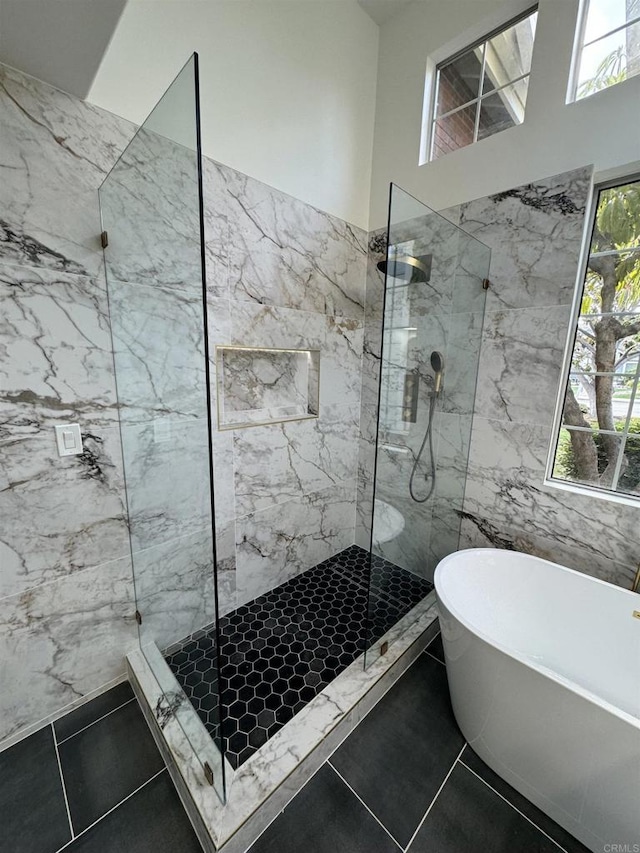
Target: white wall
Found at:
x=287, y=88
x=555, y=137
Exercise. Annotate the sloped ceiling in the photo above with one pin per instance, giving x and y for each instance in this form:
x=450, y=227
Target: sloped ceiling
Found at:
x=59, y=41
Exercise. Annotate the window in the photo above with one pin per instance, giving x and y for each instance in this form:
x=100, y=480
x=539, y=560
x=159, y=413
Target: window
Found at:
x=598, y=441
x=608, y=45
x=483, y=89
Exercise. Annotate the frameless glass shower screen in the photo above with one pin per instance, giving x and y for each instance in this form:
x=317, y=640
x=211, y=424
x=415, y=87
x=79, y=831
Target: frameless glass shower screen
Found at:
x=431, y=273
x=151, y=205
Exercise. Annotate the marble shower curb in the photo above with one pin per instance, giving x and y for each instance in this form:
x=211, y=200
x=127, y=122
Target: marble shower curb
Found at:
x=261, y=787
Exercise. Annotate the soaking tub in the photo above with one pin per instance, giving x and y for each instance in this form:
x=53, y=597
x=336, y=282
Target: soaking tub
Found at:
x=544, y=672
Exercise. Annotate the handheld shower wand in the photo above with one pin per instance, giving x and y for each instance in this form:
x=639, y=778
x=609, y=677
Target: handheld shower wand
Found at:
x=437, y=365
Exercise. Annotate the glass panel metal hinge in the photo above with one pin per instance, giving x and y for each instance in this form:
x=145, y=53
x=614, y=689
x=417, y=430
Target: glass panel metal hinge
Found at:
x=104, y=239
x=138, y=616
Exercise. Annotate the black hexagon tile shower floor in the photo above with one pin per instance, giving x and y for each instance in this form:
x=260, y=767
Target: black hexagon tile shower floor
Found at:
x=280, y=650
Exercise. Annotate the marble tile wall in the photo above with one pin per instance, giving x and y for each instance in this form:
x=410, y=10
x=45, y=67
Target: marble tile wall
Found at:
x=535, y=233
x=66, y=592
x=280, y=274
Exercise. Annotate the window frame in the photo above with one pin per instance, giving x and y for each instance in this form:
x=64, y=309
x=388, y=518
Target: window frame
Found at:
x=435, y=80
x=572, y=332
x=578, y=47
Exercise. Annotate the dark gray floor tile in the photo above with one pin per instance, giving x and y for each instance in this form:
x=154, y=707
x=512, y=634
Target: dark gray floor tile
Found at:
x=560, y=835
x=469, y=816
x=93, y=710
x=152, y=821
x=435, y=648
x=397, y=758
x=325, y=817
x=33, y=815
x=106, y=762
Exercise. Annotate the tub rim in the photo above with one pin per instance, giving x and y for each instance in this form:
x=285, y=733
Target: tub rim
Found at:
x=562, y=680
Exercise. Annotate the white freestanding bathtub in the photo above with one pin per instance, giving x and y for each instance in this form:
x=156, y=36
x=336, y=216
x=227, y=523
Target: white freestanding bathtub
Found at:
x=544, y=672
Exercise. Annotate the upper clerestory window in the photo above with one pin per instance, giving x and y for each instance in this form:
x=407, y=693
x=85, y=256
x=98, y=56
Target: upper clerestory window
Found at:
x=607, y=45
x=483, y=89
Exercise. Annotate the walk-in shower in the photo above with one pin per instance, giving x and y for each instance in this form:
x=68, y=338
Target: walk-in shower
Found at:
x=232, y=675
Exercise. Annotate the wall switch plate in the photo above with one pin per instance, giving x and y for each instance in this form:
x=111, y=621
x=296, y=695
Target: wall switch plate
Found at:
x=68, y=439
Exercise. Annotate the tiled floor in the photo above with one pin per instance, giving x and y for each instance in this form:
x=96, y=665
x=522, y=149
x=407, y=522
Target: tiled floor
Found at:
x=282, y=649
x=406, y=780
x=403, y=780
x=93, y=782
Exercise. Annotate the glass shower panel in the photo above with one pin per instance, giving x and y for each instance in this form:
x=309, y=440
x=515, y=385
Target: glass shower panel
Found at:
x=431, y=333
x=151, y=205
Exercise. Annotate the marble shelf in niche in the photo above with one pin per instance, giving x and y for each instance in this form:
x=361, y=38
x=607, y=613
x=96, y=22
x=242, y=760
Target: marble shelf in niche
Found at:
x=263, y=385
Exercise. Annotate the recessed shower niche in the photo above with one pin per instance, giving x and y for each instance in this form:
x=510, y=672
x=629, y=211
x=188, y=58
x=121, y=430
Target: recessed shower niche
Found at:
x=264, y=386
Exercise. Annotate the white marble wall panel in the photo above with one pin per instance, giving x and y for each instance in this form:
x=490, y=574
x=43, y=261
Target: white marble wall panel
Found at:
x=505, y=487
x=63, y=640
x=167, y=478
x=59, y=515
x=66, y=592
x=471, y=270
x=158, y=343
x=534, y=232
x=55, y=151
x=277, y=543
x=177, y=602
x=521, y=361
x=277, y=463
x=287, y=253
x=461, y=353
x=152, y=214
x=55, y=352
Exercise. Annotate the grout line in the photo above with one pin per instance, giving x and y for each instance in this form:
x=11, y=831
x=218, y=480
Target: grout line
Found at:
x=427, y=652
x=327, y=760
x=112, y=809
x=444, y=782
x=355, y=793
x=509, y=803
x=64, y=788
x=104, y=716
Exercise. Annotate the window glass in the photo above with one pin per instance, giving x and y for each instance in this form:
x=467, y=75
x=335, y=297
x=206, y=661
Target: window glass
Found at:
x=599, y=439
x=610, y=48
x=484, y=89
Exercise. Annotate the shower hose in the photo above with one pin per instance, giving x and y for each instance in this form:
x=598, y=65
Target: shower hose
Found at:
x=428, y=437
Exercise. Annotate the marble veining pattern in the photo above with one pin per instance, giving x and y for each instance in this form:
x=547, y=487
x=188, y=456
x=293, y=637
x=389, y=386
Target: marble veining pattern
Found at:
x=535, y=234
x=75, y=505
x=55, y=348
x=55, y=152
x=63, y=640
x=287, y=253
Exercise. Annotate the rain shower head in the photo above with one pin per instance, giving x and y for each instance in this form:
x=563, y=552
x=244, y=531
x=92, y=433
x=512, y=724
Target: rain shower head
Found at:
x=407, y=268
